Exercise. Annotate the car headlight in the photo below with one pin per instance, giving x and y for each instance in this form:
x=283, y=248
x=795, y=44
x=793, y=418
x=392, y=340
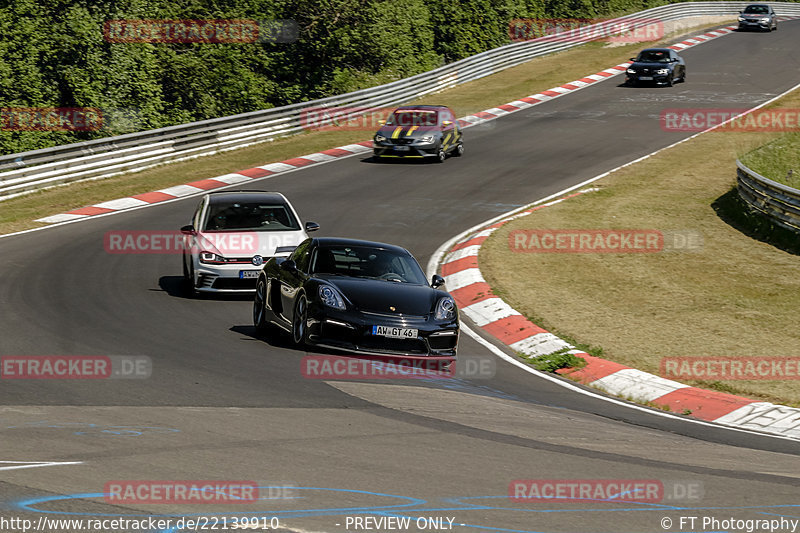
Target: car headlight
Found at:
x=445, y=309
x=630, y=71
x=764, y=20
x=426, y=139
x=380, y=138
x=212, y=258
x=331, y=297
x=662, y=71
x=742, y=19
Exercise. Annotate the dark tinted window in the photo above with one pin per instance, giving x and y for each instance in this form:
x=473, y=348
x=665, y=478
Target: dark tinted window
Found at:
x=301, y=255
x=653, y=56
x=413, y=117
x=757, y=10
x=367, y=262
x=250, y=216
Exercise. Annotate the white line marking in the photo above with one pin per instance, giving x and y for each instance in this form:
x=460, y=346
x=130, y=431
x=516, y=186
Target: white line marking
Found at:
x=16, y=465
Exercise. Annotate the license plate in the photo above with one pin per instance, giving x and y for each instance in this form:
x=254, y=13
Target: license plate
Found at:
x=248, y=274
x=394, y=332
x=646, y=78
x=401, y=148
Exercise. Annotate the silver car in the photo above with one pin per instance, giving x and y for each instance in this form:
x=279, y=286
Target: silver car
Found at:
x=758, y=17
x=233, y=234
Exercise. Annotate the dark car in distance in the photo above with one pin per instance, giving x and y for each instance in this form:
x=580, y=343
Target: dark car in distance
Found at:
x=758, y=17
x=661, y=66
x=421, y=131
x=357, y=296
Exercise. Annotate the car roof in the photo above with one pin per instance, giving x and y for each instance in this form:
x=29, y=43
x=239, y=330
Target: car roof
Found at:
x=245, y=196
x=341, y=241
x=666, y=50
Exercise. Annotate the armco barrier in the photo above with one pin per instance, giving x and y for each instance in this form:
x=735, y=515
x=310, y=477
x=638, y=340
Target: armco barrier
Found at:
x=778, y=202
x=101, y=158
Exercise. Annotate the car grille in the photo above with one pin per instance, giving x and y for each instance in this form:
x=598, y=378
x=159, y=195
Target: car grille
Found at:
x=394, y=315
x=442, y=342
x=234, y=284
x=415, y=346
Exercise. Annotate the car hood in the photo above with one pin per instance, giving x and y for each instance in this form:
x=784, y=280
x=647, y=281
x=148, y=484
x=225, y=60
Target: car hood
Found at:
x=248, y=243
x=754, y=15
x=408, y=132
x=379, y=296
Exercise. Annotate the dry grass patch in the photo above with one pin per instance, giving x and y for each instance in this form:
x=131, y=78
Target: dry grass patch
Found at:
x=737, y=296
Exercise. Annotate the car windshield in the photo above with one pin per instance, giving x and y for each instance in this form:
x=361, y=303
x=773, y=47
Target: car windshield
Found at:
x=757, y=10
x=367, y=262
x=250, y=216
x=413, y=117
x=653, y=56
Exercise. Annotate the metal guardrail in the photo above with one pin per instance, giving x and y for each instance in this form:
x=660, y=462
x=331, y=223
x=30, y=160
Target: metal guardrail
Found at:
x=100, y=158
x=778, y=202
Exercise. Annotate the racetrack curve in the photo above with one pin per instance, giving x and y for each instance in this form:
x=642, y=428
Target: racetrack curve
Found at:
x=222, y=404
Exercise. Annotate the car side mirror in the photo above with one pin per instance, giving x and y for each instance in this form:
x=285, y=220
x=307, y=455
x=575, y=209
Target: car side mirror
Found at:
x=312, y=226
x=288, y=265
x=632, y=59
x=382, y=122
x=437, y=281
x=188, y=230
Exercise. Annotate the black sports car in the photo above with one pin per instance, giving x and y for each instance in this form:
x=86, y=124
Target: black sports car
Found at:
x=758, y=17
x=357, y=296
x=422, y=131
x=656, y=65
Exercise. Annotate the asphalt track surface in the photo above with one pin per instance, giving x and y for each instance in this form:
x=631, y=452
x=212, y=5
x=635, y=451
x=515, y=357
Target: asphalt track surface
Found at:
x=224, y=405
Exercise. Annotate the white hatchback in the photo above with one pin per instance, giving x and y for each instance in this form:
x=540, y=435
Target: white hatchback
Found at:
x=233, y=234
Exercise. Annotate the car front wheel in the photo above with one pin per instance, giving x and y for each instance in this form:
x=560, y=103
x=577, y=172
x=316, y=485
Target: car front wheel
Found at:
x=299, y=320
x=459, y=151
x=259, y=307
x=440, y=156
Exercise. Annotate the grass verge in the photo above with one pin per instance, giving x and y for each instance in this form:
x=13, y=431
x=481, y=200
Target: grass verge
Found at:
x=734, y=296
x=535, y=76
x=778, y=160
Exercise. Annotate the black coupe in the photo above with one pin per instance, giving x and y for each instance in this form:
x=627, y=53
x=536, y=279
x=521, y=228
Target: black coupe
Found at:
x=357, y=296
x=656, y=65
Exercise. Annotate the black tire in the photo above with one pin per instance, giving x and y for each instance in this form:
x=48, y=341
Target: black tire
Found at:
x=299, y=321
x=440, y=156
x=670, y=80
x=459, y=151
x=259, y=307
x=188, y=280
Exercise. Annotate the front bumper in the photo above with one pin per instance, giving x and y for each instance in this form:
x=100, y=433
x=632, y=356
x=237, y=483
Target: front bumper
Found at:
x=226, y=278
x=352, y=331
x=754, y=25
x=419, y=151
x=648, y=78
